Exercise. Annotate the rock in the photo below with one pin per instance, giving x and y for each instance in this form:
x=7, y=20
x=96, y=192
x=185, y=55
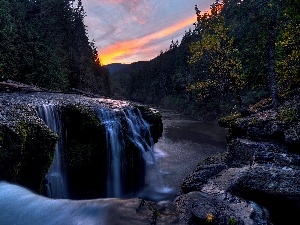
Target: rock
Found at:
x=153, y=117
x=196, y=180
x=264, y=124
x=201, y=208
x=270, y=180
x=262, y=169
x=138, y=211
x=292, y=136
x=26, y=149
x=276, y=188
x=247, y=152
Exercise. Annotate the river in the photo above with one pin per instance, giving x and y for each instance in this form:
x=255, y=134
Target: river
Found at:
x=185, y=142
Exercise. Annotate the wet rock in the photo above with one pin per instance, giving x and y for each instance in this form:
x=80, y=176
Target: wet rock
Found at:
x=271, y=180
x=201, y=208
x=292, y=136
x=247, y=152
x=196, y=180
x=262, y=166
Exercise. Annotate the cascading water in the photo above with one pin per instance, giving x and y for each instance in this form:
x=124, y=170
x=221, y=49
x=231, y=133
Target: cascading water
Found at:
x=138, y=131
x=118, y=172
x=56, y=178
x=115, y=145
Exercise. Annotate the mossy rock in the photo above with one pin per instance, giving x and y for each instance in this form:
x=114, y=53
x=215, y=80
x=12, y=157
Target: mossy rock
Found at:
x=230, y=121
x=85, y=152
x=37, y=154
x=10, y=153
x=26, y=154
x=287, y=115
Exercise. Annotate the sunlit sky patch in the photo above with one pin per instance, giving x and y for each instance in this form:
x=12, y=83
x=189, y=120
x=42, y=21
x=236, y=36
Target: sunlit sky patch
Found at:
x=127, y=31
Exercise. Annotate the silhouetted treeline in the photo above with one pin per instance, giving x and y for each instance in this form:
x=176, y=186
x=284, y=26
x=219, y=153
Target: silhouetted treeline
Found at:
x=45, y=43
x=238, y=53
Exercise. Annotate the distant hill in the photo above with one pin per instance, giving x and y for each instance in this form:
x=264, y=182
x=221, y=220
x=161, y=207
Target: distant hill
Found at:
x=114, y=67
x=125, y=68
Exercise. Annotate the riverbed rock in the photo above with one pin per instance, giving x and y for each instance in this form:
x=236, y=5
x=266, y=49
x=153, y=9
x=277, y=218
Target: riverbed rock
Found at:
x=262, y=165
x=270, y=180
x=292, y=136
x=202, y=208
x=196, y=180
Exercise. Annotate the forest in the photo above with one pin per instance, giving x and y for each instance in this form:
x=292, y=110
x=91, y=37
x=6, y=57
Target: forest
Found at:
x=238, y=53
x=45, y=43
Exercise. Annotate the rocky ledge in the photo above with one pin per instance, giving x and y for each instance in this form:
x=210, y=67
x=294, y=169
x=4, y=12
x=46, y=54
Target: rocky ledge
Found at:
x=257, y=180
x=27, y=144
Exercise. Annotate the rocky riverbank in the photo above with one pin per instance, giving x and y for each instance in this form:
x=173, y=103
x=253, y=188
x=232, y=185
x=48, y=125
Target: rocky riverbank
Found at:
x=257, y=180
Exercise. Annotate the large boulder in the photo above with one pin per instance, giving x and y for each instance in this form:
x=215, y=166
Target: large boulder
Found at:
x=202, y=208
x=26, y=144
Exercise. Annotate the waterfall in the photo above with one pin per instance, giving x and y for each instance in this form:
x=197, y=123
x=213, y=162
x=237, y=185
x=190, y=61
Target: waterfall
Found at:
x=115, y=146
x=138, y=131
x=56, y=178
x=129, y=147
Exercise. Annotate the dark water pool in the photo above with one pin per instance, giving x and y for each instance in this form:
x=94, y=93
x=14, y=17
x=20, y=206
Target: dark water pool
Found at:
x=185, y=143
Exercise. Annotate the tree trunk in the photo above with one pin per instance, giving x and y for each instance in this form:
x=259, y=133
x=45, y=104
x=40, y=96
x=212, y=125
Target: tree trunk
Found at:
x=272, y=72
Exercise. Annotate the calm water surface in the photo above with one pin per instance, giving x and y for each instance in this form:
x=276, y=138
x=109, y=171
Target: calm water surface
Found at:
x=185, y=143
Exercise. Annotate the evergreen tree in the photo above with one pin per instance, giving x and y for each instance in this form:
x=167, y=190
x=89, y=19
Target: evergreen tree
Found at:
x=45, y=43
x=9, y=38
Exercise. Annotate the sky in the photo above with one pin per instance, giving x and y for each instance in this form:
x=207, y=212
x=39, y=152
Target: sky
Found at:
x=127, y=31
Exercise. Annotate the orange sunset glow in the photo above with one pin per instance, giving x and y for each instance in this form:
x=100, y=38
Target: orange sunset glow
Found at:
x=127, y=31
x=122, y=49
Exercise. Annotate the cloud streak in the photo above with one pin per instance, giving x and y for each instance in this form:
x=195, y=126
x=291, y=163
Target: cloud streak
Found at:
x=136, y=8
x=121, y=50
x=133, y=30
x=130, y=5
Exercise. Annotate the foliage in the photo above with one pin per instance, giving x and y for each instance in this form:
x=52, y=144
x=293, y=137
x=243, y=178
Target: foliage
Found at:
x=45, y=43
x=287, y=115
x=288, y=64
x=219, y=52
x=232, y=221
x=209, y=218
x=239, y=53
